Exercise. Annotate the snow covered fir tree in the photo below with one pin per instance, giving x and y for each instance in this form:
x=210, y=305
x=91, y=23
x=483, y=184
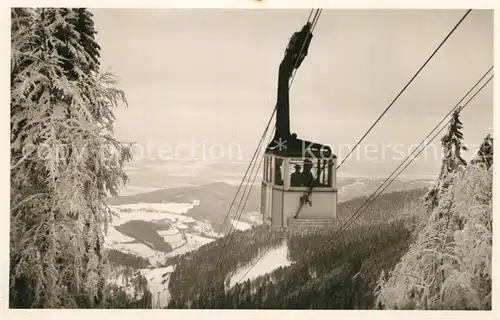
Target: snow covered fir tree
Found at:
x=64, y=163
x=78, y=241
x=452, y=144
x=449, y=266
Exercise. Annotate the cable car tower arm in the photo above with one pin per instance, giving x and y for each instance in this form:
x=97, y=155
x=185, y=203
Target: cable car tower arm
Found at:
x=295, y=53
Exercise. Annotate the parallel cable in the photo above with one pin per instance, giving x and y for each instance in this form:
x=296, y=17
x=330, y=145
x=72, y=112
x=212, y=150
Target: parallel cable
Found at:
x=357, y=214
x=312, y=183
x=316, y=17
x=246, y=173
x=406, y=86
x=253, y=183
x=368, y=202
x=230, y=235
x=240, y=208
x=314, y=22
x=310, y=14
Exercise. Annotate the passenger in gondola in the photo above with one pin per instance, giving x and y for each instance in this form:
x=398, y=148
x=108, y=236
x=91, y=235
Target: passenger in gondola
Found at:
x=296, y=177
x=278, y=180
x=307, y=176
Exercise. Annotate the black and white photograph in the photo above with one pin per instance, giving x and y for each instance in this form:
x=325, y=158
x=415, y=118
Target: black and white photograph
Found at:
x=251, y=158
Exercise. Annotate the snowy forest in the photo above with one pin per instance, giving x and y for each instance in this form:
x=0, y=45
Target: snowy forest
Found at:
x=448, y=266
x=417, y=249
x=65, y=162
x=412, y=249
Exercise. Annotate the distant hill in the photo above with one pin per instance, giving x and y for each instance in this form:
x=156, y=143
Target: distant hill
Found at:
x=356, y=187
x=214, y=201
x=215, y=198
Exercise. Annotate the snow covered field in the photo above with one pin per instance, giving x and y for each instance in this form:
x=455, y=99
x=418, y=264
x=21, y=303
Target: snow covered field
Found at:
x=173, y=212
x=193, y=242
x=173, y=207
x=172, y=236
x=271, y=260
x=114, y=237
x=183, y=233
x=180, y=240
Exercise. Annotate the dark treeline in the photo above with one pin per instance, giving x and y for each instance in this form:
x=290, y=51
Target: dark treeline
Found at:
x=127, y=260
x=200, y=269
x=146, y=233
x=343, y=276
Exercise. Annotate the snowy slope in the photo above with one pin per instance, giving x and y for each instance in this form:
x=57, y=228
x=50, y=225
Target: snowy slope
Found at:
x=185, y=219
x=181, y=232
x=158, y=285
x=239, y=225
x=192, y=242
x=253, y=217
x=157, y=279
x=358, y=184
x=271, y=260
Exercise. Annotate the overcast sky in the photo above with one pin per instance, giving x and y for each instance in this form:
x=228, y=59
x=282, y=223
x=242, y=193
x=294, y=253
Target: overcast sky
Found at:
x=210, y=76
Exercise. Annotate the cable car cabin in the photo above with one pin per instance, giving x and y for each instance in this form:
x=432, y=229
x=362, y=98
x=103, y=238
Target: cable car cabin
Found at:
x=299, y=185
x=287, y=197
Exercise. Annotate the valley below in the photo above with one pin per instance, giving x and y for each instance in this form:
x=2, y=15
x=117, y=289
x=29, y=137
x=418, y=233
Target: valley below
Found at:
x=152, y=230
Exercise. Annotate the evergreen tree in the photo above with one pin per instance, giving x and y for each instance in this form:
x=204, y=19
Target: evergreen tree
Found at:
x=449, y=265
x=64, y=161
x=21, y=25
x=77, y=29
x=452, y=144
x=485, y=153
x=86, y=29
